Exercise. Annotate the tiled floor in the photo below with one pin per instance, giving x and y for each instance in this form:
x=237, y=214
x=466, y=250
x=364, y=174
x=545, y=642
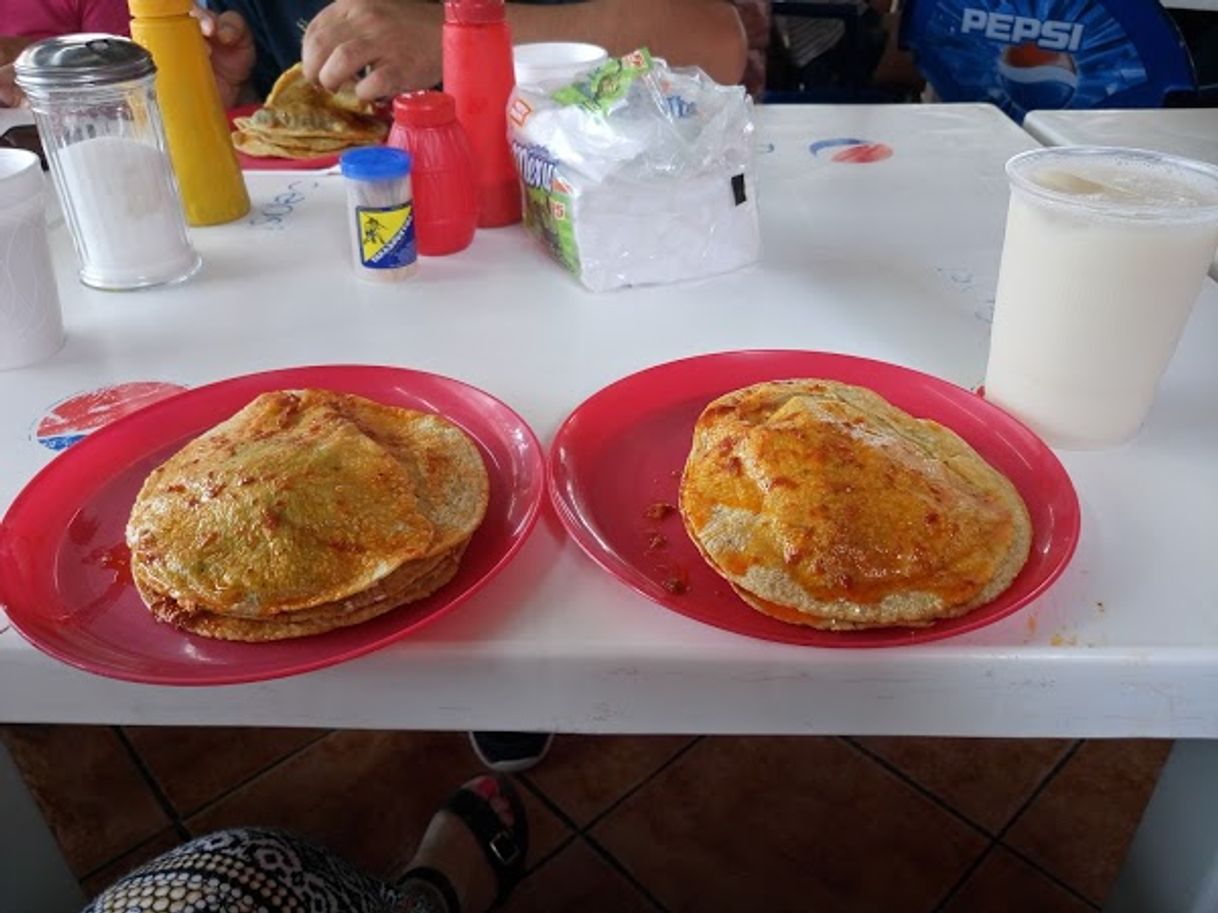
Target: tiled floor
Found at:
x=625, y=824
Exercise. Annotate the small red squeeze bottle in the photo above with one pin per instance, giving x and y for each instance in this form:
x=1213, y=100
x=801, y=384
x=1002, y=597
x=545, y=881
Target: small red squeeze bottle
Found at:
x=442, y=174
x=477, y=47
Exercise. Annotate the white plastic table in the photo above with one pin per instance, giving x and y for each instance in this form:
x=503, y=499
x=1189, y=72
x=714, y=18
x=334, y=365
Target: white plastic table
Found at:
x=13, y=117
x=893, y=259
x=1191, y=132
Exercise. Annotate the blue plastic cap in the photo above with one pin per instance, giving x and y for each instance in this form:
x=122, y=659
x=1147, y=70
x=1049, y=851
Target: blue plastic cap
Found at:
x=375, y=163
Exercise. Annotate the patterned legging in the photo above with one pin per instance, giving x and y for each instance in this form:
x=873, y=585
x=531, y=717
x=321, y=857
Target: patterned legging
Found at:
x=254, y=870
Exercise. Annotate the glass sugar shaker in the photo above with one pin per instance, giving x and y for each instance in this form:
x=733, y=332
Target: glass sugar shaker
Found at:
x=94, y=101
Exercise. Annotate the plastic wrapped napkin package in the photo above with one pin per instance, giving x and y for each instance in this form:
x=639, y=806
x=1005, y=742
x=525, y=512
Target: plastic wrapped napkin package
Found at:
x=638, y=173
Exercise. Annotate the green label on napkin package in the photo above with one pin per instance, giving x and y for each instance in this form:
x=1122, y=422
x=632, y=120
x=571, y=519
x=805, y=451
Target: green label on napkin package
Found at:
x=386, y=235
x=547, y=203
x=601, y=90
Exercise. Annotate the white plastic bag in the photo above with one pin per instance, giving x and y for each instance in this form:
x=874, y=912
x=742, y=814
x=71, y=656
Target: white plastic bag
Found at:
x=638, y=173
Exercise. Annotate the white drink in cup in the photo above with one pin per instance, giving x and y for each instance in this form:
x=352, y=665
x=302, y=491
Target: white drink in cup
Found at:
x=1105, y=252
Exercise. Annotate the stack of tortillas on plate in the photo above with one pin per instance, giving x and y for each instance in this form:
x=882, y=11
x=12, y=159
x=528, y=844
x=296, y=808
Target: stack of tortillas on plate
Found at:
x=302, y=120
x=306, y=511
x=824, y=505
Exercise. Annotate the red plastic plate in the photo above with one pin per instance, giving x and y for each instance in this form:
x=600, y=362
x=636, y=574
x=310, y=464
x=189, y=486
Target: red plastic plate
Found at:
x=623, y=450
x=64, y=576
x=277, y=163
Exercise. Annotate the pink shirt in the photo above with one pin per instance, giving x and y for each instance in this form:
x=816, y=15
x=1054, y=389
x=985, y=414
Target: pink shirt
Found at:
x=44, y=18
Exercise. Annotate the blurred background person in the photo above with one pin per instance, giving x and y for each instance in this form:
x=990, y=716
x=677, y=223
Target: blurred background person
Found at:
x=23, y=22
x=392, y=46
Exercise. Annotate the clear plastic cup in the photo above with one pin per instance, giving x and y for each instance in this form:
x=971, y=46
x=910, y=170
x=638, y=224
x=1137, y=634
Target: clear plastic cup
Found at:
x=555, y=62
x=1105, y=252
x=31, y=326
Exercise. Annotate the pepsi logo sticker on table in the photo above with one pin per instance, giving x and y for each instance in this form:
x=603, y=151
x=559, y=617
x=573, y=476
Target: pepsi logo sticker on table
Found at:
x=73, y=418
x=850, y=151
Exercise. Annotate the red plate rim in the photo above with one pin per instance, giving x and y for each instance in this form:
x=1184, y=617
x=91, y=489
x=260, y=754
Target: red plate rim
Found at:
x=273, y=162
x=634, y=578
x=282, y=378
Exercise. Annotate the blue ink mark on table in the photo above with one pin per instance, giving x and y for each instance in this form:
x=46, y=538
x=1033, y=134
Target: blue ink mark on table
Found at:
x=273, y=215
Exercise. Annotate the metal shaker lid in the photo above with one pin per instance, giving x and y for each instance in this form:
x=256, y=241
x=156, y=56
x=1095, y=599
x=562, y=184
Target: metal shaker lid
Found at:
x=81, y=61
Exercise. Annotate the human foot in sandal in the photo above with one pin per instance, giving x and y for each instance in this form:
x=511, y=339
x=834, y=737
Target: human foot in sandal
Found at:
x=473, y=852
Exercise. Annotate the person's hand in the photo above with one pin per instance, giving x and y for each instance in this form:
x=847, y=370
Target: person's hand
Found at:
x=10, y=47
x=231, y=46
x=397, y=42
x=10, y=95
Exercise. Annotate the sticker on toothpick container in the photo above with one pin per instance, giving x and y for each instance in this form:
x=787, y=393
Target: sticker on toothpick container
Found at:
x=71, y=419
x=386, y=236
x=850, y=151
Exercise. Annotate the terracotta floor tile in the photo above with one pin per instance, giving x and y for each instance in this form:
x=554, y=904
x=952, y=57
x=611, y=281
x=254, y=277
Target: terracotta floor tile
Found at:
x=1006, y=884
x=91, y=793
x=577, y=880
x=584, y=774
x=366, y=795
x=546, y=830
x=196, y=764
x=102, y=878
x=787, y=824
x=1079, y=828
x=986, y=780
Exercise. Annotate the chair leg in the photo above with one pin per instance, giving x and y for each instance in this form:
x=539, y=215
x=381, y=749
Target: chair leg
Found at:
x=36, y=875
x=1172, y=865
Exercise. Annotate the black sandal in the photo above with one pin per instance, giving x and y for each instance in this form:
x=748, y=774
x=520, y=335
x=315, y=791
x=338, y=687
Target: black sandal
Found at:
x=505, y=848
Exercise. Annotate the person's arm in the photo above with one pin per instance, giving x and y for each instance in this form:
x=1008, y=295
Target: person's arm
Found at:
x=704, y=33
x=10, y=47
x=108, y=16
x=399, y=42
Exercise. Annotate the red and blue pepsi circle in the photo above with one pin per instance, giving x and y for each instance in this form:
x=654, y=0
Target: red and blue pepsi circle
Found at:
x=1034, y=78
x=851, y=151
x=71, y=419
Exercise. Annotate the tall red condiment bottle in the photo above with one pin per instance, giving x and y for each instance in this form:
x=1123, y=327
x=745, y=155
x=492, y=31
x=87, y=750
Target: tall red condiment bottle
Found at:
x=442, y=171
x=478, y=75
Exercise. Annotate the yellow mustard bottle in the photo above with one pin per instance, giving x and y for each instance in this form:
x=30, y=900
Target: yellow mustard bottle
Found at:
x=209, y=176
